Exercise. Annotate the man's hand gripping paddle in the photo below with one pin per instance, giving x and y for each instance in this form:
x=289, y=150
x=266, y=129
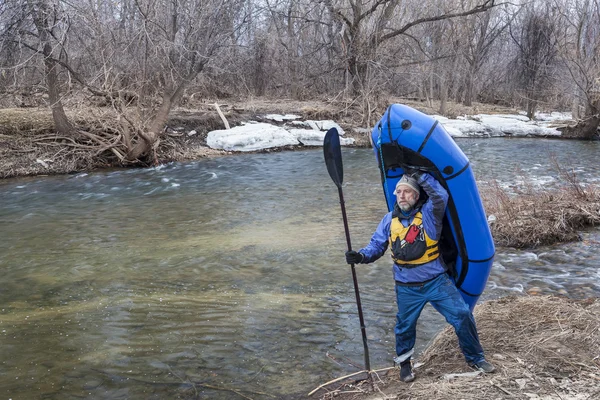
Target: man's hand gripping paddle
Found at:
x=333, y=160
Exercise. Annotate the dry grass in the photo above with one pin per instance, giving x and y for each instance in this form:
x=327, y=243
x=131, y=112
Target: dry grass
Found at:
x=543, y=348
x=533, y=218
x=30, y=146
x=18, y=120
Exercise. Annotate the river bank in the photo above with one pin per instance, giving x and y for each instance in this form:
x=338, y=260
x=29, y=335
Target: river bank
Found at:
x=544, y=347
x=29, y=145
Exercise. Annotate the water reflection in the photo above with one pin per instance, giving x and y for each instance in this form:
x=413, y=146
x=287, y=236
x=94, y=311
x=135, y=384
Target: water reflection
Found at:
x=192, y=280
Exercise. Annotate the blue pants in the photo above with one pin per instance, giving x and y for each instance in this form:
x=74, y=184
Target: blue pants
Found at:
x=445, y=298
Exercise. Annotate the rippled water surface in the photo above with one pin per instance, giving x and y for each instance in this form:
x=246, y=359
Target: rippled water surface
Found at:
x=202, y=279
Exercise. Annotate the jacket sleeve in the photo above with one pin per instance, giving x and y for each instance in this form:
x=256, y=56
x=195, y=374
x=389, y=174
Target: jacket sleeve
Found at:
x=434, y=208
x=379, y=241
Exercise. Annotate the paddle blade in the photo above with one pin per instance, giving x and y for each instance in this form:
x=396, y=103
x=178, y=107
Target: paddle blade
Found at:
x=333, y=156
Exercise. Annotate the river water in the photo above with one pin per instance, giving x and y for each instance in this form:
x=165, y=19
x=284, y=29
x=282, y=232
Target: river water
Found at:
x=196, y=280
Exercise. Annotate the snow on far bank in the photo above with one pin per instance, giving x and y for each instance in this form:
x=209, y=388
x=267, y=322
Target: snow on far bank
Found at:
x=488, y=125
x=258, y=136
x=281, y=118
x=553, y=116
x=254, y=136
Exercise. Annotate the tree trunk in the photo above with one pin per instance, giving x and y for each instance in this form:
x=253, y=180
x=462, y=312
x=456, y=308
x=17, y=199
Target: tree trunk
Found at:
x=575, y=111
x=61, y=122
x=443, y=95
x=531, y=107
x=586, y=129
x=260, y=60
x=41, y=13
x=358, y=74
x=430, y=97
x=151, y=139
x=531, y=100
x=470, y=87
x=293, y=55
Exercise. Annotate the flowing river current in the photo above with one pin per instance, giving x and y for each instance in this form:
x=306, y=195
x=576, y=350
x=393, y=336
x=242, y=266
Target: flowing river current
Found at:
x=203, y=279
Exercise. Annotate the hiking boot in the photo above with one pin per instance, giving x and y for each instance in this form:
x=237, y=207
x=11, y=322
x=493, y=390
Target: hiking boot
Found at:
x=406, y=373
x=483, y=366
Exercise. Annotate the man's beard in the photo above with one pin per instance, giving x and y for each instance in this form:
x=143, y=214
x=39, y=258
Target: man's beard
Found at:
x=407, y=205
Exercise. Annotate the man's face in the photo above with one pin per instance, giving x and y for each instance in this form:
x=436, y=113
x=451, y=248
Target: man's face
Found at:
x=406, y=198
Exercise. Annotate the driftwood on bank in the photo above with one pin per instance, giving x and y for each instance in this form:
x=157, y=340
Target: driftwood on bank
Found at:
x=222, y=116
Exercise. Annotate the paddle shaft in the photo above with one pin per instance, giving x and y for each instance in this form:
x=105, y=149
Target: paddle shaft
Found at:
x=333, y=160
x=356, y=292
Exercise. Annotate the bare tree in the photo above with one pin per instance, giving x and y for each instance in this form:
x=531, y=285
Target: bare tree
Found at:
x=537, y=41
x=482, y=30
x=131, y=53
x=41, y=27
x=300, y=29
x=141, y=58
x=439, y=50
x=581, y=53
x=365, y=26
x=184, y=36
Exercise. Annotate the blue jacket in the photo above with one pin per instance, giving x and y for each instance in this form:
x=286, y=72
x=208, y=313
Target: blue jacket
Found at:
x=433, y=213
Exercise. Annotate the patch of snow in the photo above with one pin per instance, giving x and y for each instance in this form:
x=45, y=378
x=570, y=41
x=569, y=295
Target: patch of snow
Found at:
x=250, y=137
x=495, y=125
x=362, y=130
x=464, y=127
x=518, y=117
x=554, y=116
x=299, y=123
x=44, y=163
x=310, y=137
x=281, y=118
x=328, y=124
x=320, y=125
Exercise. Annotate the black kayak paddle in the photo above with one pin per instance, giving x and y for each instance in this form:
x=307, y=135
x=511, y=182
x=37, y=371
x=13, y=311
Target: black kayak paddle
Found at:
x=333, y=160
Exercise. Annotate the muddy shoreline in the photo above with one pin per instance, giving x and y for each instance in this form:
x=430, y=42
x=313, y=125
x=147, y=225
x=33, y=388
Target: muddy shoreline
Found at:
x=30, y=147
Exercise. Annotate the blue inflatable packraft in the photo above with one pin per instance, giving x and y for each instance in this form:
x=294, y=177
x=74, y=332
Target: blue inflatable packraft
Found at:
x=407, y=138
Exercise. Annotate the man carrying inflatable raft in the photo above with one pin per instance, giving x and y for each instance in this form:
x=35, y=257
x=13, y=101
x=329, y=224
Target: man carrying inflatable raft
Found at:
x=429, y=231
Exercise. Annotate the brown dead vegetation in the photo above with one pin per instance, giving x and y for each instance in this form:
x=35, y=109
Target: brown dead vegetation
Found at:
x=543, y=347
x=29, y=144
x=532, y=218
